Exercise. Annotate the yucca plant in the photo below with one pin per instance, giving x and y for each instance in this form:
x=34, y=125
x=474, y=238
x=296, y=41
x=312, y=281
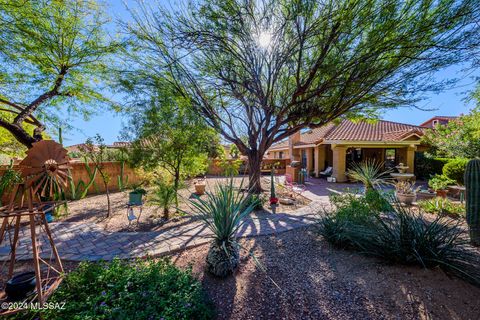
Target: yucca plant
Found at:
x=404, y=237
x=223, y=211
x=370, y=173
x=164, y=197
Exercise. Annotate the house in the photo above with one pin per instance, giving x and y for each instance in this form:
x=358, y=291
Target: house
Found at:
x=437, y=120
x=340, y=144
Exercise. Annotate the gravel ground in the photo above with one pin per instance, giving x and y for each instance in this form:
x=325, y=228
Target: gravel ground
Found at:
x=319, y=282
x=94, y=209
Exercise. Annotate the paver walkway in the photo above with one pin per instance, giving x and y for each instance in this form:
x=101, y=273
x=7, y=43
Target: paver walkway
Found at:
x=87, y=241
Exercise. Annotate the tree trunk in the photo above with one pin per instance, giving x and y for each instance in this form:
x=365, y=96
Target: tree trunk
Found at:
x=254, y=173
x=109, y=207
x=175, y=186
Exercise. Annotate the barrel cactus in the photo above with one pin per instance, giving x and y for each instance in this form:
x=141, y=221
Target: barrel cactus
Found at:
x=472, y=185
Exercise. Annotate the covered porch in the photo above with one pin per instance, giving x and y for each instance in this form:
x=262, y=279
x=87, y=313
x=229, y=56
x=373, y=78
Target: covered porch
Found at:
x=340, y=156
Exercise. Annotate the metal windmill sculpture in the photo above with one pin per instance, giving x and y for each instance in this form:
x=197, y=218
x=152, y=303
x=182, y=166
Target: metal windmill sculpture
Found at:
x=45, y=173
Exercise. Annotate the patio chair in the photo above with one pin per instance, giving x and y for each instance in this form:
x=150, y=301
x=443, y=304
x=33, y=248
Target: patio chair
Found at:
x=327, y=172
x=294, y=188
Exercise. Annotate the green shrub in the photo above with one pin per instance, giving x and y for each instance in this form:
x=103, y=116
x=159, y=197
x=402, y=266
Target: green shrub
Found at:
x=404, y=237
x=440, y=182
x=442, y=206
x=163, y=196
x=455, y=169
x=426, y=167
x=145, y=289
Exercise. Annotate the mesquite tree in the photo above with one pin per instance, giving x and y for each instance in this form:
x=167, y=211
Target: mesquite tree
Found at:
x=52, y=57
x=267, y=68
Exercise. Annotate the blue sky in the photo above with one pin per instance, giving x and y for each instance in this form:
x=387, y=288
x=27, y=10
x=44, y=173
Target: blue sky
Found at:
x=449, y=103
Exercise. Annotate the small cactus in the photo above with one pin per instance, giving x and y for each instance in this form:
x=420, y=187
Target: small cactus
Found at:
x=472, y=185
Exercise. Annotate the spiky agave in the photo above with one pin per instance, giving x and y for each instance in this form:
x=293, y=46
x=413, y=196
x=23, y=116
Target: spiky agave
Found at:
x=224, y=211
x=370, y=173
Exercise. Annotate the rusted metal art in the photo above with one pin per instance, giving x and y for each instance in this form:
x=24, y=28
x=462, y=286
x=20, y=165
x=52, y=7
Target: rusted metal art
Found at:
x=45, y=171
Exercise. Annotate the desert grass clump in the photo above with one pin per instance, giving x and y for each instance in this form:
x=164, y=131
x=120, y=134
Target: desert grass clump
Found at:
x=164, y=197
x=223, y=211
x=402, y=236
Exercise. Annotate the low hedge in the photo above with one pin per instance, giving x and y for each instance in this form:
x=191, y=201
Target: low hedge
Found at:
x=455, y=169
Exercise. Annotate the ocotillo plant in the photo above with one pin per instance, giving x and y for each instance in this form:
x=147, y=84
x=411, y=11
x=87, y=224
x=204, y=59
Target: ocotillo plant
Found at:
x=472, y=185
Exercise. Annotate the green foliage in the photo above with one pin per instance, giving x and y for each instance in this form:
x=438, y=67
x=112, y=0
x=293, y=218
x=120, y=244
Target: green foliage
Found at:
x=460, y=138
x=144, y=289
x=223, y=211
x=168, y=133
x=8, y=179
x=472, y=185
x=266, y=70
x=370, y=173
x=440, y=182
x=122, y=179
x=427, y=166
x=53, y=56
x=443, y=207
x=403, y=237
x=163, y=196
x=80, y=190
x=230, y=167
x=455, y=170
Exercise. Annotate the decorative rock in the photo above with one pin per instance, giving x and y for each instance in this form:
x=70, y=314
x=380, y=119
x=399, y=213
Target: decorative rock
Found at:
x=286, y=201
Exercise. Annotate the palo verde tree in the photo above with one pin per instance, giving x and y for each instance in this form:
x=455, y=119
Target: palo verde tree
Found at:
x=53, y=54
x=265, y=69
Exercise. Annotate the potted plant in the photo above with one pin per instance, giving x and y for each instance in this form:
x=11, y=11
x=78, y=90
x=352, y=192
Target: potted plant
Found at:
x=405, y=192
x=200, y=185
x=135, y=196
x=273, y=196
x=439, y=184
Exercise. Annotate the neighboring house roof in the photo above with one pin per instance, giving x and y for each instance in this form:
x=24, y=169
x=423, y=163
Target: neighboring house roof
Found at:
x=347, y=130
x=279, y=145
x=444, y=118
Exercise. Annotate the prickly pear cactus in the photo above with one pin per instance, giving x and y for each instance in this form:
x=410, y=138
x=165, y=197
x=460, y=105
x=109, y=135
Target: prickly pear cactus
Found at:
x=472, y=185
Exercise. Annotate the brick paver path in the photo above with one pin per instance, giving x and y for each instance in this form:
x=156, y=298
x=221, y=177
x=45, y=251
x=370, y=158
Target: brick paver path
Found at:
x=86, y=241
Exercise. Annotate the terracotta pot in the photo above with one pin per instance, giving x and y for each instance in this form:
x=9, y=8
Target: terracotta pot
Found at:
x=407, y=199
x=441, y=193
x=200, y=188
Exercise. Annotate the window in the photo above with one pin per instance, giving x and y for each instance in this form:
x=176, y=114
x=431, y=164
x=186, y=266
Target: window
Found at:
x=280, y=155
x=434, y=123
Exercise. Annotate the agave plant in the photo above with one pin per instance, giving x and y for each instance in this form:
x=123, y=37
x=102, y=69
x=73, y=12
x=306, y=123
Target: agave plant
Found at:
x=223, y=211
x=370, y=173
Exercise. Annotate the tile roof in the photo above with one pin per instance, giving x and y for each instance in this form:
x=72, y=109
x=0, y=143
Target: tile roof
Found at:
x=279, y=145
x=376, y=131
x=380, y=130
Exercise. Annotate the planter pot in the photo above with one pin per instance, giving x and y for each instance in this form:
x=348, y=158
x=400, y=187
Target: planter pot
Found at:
x=48, y=213
x=442, y=193
x=20, y=285
x=200, y=188
x=426, y=195
x=135, y=198
x=406, y=198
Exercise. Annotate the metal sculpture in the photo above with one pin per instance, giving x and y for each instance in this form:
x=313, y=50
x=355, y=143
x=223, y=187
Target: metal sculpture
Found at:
x=45, y=173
